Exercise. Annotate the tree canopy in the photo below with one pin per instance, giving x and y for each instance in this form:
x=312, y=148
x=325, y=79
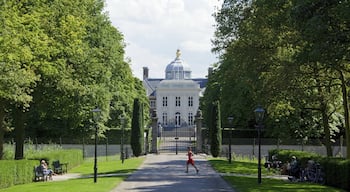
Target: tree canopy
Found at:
x=58, y=60
x=290, y=57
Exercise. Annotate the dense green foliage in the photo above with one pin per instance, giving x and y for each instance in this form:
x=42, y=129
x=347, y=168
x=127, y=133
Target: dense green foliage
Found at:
x=215, y=129
x=137, y=129
x=20, y=172
x=59, y=60
x=86, y=184
x=73, y=157
x=16, y=172
x=290, y=57
x=336, y=169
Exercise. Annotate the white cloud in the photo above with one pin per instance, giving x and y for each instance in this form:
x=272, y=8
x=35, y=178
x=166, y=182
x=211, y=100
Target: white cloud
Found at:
x=154, y=29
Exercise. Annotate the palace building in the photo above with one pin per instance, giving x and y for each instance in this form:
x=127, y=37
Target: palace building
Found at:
x=176, y=97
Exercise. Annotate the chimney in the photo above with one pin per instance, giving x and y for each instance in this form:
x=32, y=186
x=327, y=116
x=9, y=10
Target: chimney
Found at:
x=145, y=73
x=210, y=71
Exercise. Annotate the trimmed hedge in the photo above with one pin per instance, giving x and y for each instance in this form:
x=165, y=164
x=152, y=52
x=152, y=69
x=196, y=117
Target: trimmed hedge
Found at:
x=73, y=157
x=14, y=172
x=337, y=170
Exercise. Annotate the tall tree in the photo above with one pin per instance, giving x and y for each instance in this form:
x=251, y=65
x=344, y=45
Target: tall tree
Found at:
x=136, y=139
x=19, y=37
x=215, y=129
x=269, y=57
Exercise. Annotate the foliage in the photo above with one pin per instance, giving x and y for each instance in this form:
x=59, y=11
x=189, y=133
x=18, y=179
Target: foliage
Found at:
x=103, y=184
x=284, y=55
x=215, y=130
x=136, y=139
x=58, y=61
x=247, y=180
x=336, y=169
x=73, y=157
x=21, y=171
x=16, y=172
x=337, y=172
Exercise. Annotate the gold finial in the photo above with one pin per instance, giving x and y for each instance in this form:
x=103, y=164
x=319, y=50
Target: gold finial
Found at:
x=178, y=53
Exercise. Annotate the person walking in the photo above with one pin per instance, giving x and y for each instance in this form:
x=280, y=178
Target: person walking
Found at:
x=190, y=160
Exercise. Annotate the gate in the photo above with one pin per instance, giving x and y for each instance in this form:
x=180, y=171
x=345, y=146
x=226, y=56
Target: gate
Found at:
x=177, y=139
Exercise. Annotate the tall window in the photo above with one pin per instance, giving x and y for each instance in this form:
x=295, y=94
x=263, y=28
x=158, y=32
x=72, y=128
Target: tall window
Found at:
x=190, y=118
x=165, y=119
x=177, y=119
x=153, y=103
x=177, y=102
x=190, y=101
x=165, y=101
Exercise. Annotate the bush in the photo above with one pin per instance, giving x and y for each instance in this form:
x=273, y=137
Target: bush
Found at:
x=286, y=155
x=14, y=172
x=73, y=157
x=337, y=170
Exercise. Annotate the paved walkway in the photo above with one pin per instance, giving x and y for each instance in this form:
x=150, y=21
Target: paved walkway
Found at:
x=166, y=173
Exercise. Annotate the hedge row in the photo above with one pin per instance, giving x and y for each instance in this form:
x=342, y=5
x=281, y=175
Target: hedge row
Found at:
x=337, y=170
x=14, y=172
x=73, y=157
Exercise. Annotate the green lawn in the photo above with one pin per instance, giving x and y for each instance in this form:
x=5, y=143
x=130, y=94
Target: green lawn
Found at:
x=249, y=183
x=104, y=184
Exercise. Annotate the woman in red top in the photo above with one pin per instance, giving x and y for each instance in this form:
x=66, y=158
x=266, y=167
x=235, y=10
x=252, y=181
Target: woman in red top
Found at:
x=190, y=160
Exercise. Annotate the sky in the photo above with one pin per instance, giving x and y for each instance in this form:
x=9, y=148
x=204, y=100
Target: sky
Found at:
x=154, y=29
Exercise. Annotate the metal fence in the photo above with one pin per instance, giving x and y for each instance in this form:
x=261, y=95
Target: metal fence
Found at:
x=240, y=146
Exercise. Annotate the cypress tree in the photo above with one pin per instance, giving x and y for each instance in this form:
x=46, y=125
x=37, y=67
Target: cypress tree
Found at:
x=136, y=129
x=215, y=129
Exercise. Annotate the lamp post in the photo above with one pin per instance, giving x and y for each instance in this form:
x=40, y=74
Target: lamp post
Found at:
x=259, y=117
x=96, y=115
x=122, y=121
x=230, y=120
x=176, y=138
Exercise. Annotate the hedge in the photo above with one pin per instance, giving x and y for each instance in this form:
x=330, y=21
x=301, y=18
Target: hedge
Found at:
x=337, y=170
x=14, y=172
x=73, y=157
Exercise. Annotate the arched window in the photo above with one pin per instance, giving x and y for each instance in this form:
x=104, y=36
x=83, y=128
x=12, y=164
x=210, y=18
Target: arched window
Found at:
x=177, y=119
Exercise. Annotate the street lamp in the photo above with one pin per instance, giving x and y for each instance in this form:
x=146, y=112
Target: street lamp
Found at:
x=96, y=115
x=122, y=121
x=259, y=117
x=176, y=138
x=230, y=120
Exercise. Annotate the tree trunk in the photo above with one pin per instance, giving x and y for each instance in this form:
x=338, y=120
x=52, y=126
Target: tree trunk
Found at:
x=346, y=114
x=19, y=132
x=326, y=130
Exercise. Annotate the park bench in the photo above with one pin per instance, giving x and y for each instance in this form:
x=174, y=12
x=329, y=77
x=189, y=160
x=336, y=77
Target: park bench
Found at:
x=39, y=174
x=59, y=168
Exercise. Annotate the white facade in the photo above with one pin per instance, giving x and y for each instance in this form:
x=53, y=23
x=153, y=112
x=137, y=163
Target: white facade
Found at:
x=177, y=102
x=175, y=98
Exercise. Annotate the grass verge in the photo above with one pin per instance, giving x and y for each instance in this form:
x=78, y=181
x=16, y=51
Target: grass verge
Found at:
x=104, y=183
x=249, y=183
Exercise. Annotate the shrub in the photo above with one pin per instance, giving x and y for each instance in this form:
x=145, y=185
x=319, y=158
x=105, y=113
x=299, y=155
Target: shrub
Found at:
x=14, y=172
x=337, y=170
